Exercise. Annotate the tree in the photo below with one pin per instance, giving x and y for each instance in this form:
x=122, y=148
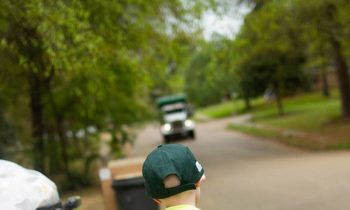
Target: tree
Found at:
x=270, y=54
x=208, y=77
x=327, y=19
x=84, y=64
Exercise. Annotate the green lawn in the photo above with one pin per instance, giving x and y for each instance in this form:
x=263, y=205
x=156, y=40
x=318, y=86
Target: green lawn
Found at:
x=311, y=113
x=307, y=112
x=226, y=109
x=221, y=110
x=278, y=136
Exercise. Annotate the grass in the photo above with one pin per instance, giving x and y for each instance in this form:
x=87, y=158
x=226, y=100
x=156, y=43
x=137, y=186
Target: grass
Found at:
x=342, y=145
x=277, y=136
x=308, y=112
x=318, y=117
x=221, y=110
x=226, y=109
x=254, y=131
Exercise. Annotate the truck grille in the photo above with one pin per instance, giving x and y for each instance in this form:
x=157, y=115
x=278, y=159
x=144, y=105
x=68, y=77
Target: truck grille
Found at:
x=177, y=125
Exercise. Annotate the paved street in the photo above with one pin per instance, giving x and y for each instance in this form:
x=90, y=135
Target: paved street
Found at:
x=246, y=173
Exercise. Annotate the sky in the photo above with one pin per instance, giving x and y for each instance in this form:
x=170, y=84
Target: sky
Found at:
x=226, y=24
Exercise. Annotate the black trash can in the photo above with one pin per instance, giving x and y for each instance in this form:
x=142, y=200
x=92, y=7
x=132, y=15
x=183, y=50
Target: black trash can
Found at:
x=130, y=194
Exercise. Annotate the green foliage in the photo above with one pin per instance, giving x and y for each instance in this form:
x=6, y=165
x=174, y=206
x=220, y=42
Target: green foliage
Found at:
x=271, y=52
x=73, y=69
x=283, y=43
x=6, y=133
x=209, y=78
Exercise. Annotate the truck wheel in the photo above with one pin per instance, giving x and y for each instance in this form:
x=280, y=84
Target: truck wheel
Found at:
x=192, y=135
x=166, y=139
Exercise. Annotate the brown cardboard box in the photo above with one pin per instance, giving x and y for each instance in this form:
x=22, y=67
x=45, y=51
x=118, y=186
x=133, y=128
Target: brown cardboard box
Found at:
x=118, y=169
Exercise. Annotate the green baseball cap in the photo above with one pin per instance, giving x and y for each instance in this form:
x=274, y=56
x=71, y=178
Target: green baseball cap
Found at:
x=170, y=159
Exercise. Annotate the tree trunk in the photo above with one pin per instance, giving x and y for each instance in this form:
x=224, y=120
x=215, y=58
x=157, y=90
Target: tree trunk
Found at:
x=343, y=76
x=63, y=142
x=247, y=103
x=278, y=99
x=59, y=118
x=339, y=59
x=325, y=84
x=36, y=107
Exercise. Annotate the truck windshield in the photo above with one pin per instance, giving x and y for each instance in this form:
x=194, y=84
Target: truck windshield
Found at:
x=173, y=108
x=174, y=111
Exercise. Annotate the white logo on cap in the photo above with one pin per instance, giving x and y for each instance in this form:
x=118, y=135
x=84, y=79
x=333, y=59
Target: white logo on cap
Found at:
x=199, y=166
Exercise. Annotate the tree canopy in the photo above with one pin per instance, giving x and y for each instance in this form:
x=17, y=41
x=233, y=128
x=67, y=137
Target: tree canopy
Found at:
x=71, y=69
x=281, y=47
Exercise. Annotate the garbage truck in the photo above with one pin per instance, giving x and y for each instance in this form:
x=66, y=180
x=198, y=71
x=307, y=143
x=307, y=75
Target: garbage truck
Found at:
x=175, y=113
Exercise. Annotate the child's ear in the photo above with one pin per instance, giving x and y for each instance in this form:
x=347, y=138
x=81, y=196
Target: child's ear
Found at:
x=157, y=201
x=198, y=184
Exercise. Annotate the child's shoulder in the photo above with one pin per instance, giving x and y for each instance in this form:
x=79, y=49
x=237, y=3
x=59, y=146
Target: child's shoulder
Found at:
x=182, y=207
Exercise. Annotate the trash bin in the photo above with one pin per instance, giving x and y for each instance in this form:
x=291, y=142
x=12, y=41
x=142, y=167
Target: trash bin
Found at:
x=130, y=195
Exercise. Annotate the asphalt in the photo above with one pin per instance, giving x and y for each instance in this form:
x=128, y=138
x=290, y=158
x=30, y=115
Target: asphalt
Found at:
x=249, y=173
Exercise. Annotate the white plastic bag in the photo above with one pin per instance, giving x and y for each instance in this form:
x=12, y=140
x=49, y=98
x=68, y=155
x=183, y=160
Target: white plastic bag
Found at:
x=23, y=189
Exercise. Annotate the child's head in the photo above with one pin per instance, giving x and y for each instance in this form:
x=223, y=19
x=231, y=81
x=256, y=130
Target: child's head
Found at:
x=172, y=175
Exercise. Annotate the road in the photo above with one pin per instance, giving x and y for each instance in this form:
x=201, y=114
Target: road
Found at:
x=247, y=173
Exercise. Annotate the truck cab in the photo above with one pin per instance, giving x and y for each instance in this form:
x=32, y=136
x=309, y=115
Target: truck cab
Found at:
x=175, y=120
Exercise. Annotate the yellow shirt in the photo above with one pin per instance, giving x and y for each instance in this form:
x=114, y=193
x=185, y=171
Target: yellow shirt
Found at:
x=182, y=207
